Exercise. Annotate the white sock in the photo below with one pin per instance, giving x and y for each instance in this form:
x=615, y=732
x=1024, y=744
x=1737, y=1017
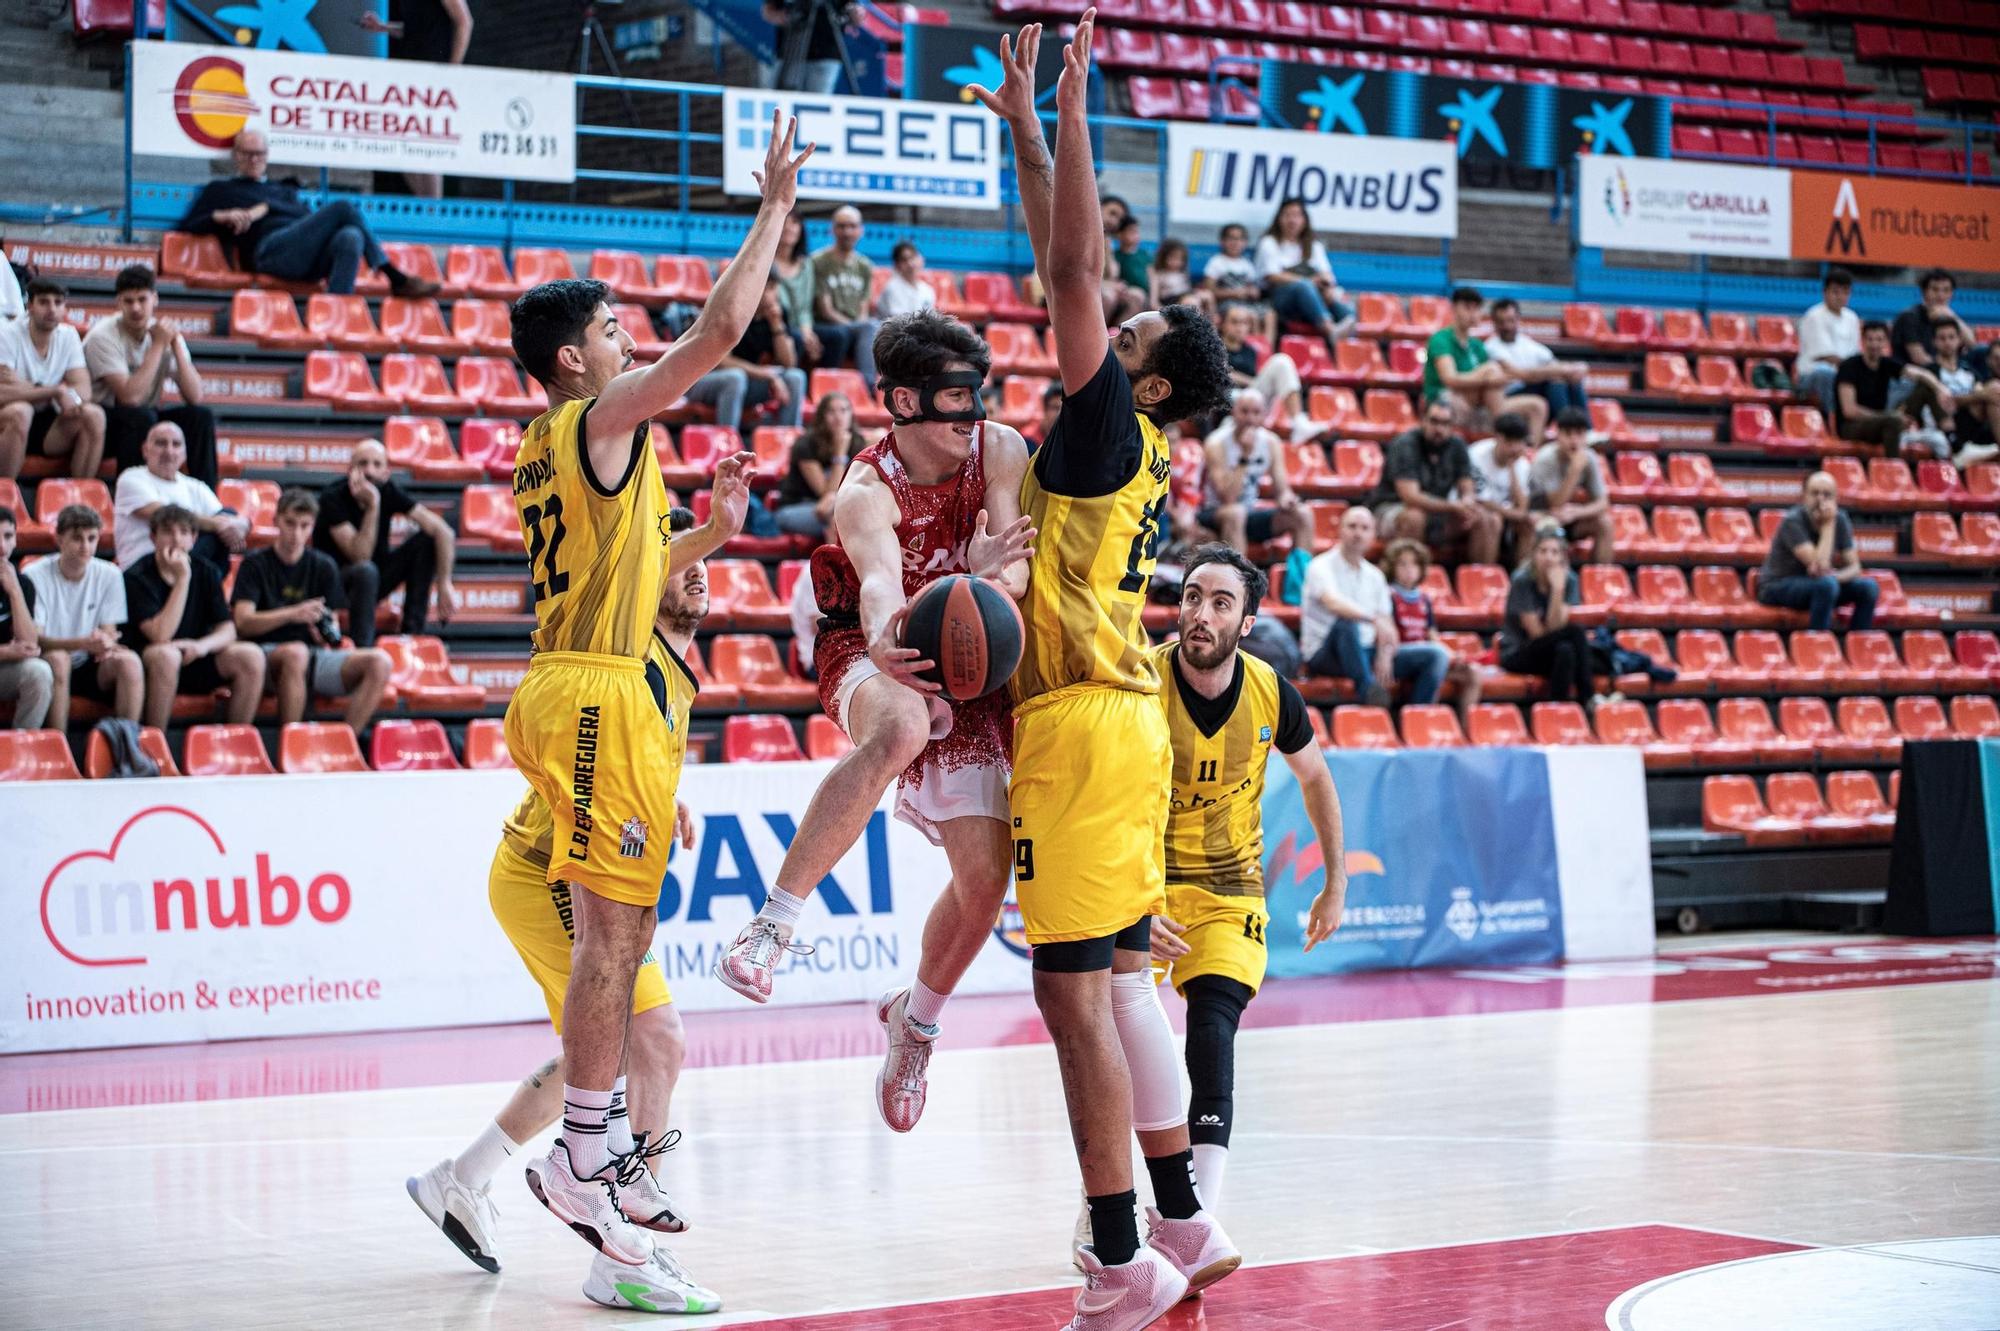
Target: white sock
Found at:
x=617, y=1123
x=1211, y=1162
x=1159, y=1099
x=584, y=1130
x=926, y=1003
x=482, y=1160
x=781, y=907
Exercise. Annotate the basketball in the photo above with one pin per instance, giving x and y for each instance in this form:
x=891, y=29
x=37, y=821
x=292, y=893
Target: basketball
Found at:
x=970, y=630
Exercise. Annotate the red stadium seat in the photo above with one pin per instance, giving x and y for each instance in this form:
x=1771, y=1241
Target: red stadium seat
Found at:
x=684, y=277
x=1977, y=650
x=254, y=501
x=419, y=383
x=490, y=445
x=625, y=273
x=411, y=746
x=1625, y=722
x=1926, y=651
x=417, y=325
x=1430, y=726
x=1855, y=796
x=421, y=445
x=749, y=662
x=345, y=323
x=486, y=744
x=197, y=261
x=1874, y=665
x=36, y=755
x=56, y=493
x=1865, y=722
x=1975, y=717
x=760, y=739
x=319, y=746
x=270, y=319
x=868, y=409
x=646, y=344
x=1732, y=533
x=490, y=383
x=1921, y=718
x=824, y=739
x=1777, y=335
x=1749, y=721
x=704, y=446
x=999, y=294
x=1731, y=804
x=420, y=668
x=152, y=741
x=1018, y=350
x=1364, y=728
x=1795, y=795
x=231, y=750
x=341, y=379
x=1810, y=721
x=481, y=270
x=739, y=592
x=1818, y=662
x=1687, y=721
x=1497, y=725
x=1663, y=590
x=1560, y=723
x=483, y=326
x=487, y=516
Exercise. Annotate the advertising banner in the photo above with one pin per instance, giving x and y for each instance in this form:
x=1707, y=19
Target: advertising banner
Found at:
x=325, y=27
x=870, y=149
x=1645, y=203
x=1885, y=220
x=939, y=62
x=1223, y=173
x=340, y=111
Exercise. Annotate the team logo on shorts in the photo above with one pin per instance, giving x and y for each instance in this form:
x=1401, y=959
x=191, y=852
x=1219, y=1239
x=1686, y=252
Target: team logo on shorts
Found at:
x=1263, y=734
x=632, y=839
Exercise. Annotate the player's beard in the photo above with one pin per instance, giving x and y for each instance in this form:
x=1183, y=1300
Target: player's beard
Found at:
x=1208, y=653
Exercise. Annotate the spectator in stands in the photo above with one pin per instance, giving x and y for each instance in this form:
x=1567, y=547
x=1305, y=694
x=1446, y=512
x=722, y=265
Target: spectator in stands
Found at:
x=1829, y=333
x=1347, y=625
x=905, y=292
x=1566, y=483
x=354, y=528
x=1240, y=453
x=1135, y=262
x=819, y=460
x=842, y=277
x=1536, y=371
x=1298, y=280
x=1914, y=335
x=271, y=231
x=1813, y=565
x=1121, y=299
x=1869, y=407
x=1230, y=276
x=1275, y=377
x=438, y=32
x=809, y=43
x=1052, y=404
x=80, y=608
x=45, y=404
x=26, y=680
x=1406, y=563
x=179, y=623
x=1168, y=282
x=1500, y=480
x=762, y=367
x=1967, y=424
x=1980, y=410
x=11, y=305
x=1538, y=637
x=283, y=603
x=1457, y=365
x=793, y=268
x=143, y=489
x=1427, y=491
x=131, y=355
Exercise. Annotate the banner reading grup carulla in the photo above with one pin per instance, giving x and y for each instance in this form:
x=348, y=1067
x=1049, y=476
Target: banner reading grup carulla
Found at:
x=340, y=111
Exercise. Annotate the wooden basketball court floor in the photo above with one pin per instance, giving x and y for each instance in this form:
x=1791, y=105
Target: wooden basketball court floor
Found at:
x=1772, y=1133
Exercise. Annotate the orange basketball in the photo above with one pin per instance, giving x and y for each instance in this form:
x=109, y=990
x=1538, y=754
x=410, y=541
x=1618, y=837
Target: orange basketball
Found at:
x=970, y=629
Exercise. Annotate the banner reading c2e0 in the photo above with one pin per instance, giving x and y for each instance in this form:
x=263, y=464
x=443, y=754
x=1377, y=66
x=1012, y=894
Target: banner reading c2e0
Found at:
x=869, y=149
x=1376, y=186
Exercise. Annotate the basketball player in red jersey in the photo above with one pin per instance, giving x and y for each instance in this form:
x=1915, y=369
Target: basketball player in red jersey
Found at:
x=939, y=494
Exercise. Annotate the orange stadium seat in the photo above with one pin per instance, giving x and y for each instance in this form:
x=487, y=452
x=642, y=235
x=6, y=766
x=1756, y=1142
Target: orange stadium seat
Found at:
x=1375, y=313
x=1654, y=644
x=1795, y=795
x=1364, y=728
x=1777, y=335
x=420, y=669
x=759, y=739
x=1718, y=377
x=1975, y=717
x=868, y=409
x=486, y=744
x=1749, y=720
x=1388, y=411
x=1678, y=330
x=625, y=273
x=1810, y=721
x=418, y=260
x=419, y=383
x=490, y=444
x=1921, y=718
x=36, y=755
x=481, y=270
x=534, y=266
x=1358, y=362
x=342, y=380
x=1893, y=482
x=231, y=750
x=1702, y=656
x=1855, y=795
x=31, y=533
x=683, y=277
x=1497, y=725
x=486, y=516
x=1982, y=482
x=1687, y=721
x=1873, y=663
x=951, y=298
x=56, y=493
x=1427, y=315
x=1693, y=474
x=1560, y=723
x=773, y=446
x=1021, y=399
x=399, y=745
x=1927, y=651
x=270, y=319
x=422, y=446
x=1806, y=427
x=1430, y=726
x=418, y=325
x=740, y=593
x=197, y=261
x=1625, y=722
x=1018, y=350
x=491, y=383
x=703, y=446
x=1002, y=299
x=345, y=323
x=1731, y=804
x=1723, y=589
x=749, y=662
x=1865, y=721
x=1731, y=533
x=824, y=739
x=152, y=741
x=1677, y=532
x=1662, y=591
x=1585, y=323
x=1635, y=476
x=319, y=746
x=1980, y=534
x=1729, y=333
x=1608, y=418
x=1357, y=463
x=1818, y=663
x=255, y=501
x=646, y=341
x=482, y=325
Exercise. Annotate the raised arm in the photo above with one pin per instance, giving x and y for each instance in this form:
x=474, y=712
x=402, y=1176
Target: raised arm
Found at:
x=1003, y=536
x=1075, y=270
x=1014, y=102
x=637, y=396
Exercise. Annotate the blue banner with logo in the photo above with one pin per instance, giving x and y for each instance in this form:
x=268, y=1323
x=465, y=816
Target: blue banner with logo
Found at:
x=1492, y=120
x=1451, y=861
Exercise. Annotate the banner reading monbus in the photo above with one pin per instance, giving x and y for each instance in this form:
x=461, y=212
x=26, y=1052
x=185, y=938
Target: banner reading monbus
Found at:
x=1891, y=220
x=339, y=111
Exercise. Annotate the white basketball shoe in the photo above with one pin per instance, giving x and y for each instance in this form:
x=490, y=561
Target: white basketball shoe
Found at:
x=588, y=1205
x=1129, y=1296
x=902, y=1084
x=466, y=1215
x=658, y=1285
x=1197, y=1247
x=748, y=963
x=640, y=1196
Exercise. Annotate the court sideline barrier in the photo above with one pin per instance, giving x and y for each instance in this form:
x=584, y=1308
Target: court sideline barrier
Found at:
x=159, y=912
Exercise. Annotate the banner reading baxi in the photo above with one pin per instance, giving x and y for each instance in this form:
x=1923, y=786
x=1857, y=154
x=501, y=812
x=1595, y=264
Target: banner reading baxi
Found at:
x=340, y=111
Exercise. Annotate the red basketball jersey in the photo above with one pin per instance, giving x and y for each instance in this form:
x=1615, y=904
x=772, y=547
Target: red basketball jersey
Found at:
x=936, y=523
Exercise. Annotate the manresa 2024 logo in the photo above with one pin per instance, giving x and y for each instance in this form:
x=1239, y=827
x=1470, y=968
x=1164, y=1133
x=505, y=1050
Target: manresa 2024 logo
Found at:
x=99, y=910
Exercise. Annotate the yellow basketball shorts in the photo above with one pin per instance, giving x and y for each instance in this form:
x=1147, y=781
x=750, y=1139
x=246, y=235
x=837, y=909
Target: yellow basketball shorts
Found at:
x=1225, y=936
x=535, y=915
x=1093, y=771
x=585, y=731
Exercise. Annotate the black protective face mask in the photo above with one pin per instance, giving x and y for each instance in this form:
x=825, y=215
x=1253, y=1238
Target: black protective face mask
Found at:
x=927, y=391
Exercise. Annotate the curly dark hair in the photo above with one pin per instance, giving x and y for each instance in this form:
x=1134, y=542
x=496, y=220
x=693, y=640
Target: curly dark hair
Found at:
x=552, y=316
x=1255, y=584
x=1190, y=357
x=912, y=347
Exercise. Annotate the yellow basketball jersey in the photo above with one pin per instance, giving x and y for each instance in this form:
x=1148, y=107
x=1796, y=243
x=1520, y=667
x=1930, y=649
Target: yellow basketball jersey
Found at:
x=1215, y=822
x=1087, y=579
x=598, y=557
x=530, y=830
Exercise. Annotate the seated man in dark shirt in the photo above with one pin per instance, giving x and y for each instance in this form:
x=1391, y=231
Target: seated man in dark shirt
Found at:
x=1877, y=397
x=1813, y=565
x=1427, y=493
x=354, y=521
x=763, y=366
x=284, y=602
x=1913, y=337
x=269, y=230
x=178, y=622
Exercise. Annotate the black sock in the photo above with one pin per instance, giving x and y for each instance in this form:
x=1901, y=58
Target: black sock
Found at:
x=1173, y=1184
x=395, y=275
x=1114, y=1226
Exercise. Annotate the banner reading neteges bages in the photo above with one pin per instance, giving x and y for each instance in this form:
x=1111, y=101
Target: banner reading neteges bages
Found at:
x=339, y=111
x=869, y=149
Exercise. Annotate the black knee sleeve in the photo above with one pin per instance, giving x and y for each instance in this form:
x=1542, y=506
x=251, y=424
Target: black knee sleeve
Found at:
x=1214, y=1008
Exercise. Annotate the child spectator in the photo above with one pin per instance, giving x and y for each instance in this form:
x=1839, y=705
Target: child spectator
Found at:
x=1168, y=282
x=1406, y=562
x=906, y=292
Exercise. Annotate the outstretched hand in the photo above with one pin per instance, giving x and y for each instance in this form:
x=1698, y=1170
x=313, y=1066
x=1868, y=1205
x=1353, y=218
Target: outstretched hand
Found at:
x=987, y=556
x=1014, y=100
x=779, y=180
x=903, y=664
x=729, y=500
x=1075, y=81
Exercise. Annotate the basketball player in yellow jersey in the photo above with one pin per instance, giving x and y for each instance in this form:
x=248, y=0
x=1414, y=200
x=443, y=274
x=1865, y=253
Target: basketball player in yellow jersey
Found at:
x=537, y=917
x=1091, y=755
x=582, y=725
x=1226, y=710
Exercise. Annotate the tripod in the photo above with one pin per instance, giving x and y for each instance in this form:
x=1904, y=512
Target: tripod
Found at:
x=592, y=35
x=798, y=40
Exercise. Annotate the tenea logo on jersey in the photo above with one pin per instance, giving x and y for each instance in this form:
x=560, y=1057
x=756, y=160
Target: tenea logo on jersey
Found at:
x=166, y=874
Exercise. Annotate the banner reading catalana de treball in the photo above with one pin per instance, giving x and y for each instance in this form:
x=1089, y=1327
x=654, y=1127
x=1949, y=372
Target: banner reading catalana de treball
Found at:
x=340, y=111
